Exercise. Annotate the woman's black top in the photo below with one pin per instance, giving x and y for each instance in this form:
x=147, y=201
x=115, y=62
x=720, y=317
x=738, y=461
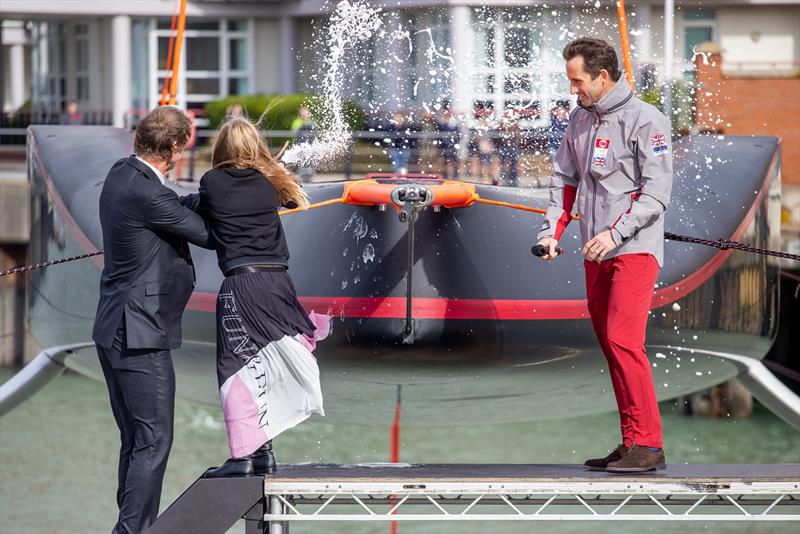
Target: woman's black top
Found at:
x=241, y=206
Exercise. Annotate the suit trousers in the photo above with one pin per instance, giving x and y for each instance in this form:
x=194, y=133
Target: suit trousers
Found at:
x=141, y=387
x=619, y=291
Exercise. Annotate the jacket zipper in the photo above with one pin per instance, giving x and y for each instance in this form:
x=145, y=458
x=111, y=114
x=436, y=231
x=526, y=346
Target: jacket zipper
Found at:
x=591, y=154
x=589, y=172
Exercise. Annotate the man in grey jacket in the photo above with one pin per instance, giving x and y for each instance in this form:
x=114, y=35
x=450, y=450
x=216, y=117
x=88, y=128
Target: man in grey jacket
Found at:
x=615, y=160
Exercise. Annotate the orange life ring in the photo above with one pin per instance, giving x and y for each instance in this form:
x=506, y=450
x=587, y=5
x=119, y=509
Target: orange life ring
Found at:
x=446, y=193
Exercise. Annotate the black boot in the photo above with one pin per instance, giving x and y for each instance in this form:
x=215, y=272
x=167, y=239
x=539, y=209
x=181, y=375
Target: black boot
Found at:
x=263, y=460
x=233, y=467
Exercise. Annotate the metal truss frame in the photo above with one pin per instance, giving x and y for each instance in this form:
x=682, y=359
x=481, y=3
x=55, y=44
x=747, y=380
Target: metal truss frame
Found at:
x=519, y=501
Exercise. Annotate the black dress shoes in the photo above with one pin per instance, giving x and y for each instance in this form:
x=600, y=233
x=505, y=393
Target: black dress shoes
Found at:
x=233, y=467
x=260, y=462
x=264, y=460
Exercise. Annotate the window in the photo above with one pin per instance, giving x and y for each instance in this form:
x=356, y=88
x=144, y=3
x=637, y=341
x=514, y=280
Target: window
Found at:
x=202, y=53
x=365, y=82
x=140, y=73
x=49, y=66
x=698, y=28
x=81, y=63
x=693, y=37
x=216, y=60
x=517, y=61
x=518, y=49
x=439, y=83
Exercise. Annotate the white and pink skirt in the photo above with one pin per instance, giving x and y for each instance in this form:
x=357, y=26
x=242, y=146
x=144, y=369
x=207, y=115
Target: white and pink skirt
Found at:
x=268, y=378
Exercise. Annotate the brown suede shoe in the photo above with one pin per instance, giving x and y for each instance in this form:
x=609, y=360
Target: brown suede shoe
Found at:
x=637, y=460
x=599, y=464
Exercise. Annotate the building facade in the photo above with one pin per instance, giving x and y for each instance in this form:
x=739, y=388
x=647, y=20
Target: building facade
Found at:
x=501, y=54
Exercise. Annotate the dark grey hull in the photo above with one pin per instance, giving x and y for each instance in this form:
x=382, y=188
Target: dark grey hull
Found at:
x=500, y=335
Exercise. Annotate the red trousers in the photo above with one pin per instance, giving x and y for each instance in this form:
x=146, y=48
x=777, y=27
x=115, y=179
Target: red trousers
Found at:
x=619, y=291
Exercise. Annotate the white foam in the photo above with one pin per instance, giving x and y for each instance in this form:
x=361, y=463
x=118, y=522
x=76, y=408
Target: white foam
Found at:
x=351, y=23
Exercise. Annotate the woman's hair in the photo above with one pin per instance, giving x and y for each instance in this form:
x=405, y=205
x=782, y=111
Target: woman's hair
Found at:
x=240, y=145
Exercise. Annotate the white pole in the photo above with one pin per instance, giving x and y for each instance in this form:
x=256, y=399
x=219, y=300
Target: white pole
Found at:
x=460, y=42
x=120, y=68
x=669, y=44
x=16, y=64
x=461, y=77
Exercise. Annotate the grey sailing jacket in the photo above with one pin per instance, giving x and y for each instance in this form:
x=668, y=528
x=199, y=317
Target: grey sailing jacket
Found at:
x=616, y=157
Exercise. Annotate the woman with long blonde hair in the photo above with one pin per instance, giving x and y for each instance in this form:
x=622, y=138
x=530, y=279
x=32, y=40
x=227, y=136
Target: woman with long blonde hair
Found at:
x=268, y=378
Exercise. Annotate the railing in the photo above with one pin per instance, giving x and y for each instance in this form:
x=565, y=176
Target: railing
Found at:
x=13, y=125
x=368, y=151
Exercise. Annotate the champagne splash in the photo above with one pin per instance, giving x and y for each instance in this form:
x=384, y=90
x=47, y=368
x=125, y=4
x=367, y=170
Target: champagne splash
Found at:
x=350, y=24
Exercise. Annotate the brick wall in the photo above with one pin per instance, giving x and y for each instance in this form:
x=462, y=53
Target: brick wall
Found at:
x=750, y=105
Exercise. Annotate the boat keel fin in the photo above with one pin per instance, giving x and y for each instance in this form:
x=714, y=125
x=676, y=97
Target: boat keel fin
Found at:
x=760, y=381
x=47, y=365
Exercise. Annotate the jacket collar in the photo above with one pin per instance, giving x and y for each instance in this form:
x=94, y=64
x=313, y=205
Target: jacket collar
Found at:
x=240, y=173
x=619, y=95
x=144, y=168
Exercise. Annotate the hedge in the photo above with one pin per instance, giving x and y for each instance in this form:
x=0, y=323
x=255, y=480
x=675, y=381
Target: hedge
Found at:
x=282, y=110
x=682, y=102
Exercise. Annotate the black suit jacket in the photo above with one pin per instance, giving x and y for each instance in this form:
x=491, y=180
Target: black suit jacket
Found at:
x=148, y=275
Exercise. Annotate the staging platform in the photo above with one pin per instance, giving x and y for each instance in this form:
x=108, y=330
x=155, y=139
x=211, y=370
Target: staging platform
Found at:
x=506, y=492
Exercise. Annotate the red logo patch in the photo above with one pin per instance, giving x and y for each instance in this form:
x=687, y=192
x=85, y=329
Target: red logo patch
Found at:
x=602, y=142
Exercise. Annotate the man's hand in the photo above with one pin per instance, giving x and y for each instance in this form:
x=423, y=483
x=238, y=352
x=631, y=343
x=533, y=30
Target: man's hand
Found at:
x=550, y=243
x=597, y=247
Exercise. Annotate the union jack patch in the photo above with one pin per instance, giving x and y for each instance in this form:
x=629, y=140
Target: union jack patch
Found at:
x=600, y=155
x=658, y=141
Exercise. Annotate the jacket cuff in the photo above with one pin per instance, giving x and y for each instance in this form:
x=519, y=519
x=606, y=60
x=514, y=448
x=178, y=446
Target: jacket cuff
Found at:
x=544, y=233
x=617, y=236
x=624, y=228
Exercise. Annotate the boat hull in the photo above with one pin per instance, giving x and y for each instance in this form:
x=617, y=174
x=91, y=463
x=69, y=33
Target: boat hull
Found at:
x=499, y=335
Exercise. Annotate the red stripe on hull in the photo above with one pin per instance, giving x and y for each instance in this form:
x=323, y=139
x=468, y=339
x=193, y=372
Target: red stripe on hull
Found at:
x=428, y=308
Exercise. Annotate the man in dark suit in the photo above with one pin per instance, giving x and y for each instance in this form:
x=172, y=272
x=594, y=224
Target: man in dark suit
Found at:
x=145, y=285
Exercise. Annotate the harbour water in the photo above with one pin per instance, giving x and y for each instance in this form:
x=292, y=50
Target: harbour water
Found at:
x=58, y=454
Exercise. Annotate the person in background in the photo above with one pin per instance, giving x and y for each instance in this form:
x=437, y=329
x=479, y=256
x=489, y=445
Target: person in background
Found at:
x=234, y=110
x=449, y=142
x=71, y=115
x=484, y=147
x=507, y=140
x=400, y=144
x=559, y=119
x=303, y=128
x=427, y=146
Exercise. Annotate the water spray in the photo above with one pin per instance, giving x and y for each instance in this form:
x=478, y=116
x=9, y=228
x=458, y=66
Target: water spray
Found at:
x=350, y=24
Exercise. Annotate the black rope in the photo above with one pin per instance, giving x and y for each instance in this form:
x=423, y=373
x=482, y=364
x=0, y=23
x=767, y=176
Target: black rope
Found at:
x=26, y=268
x=722, y=244
x=725, y=244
